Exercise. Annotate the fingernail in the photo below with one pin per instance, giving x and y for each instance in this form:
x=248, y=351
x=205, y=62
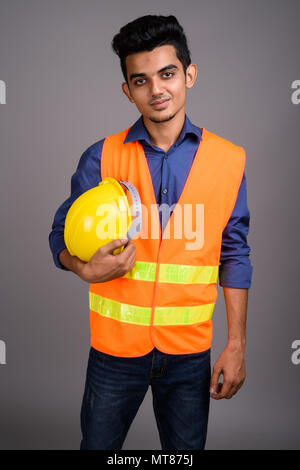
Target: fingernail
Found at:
x=123, y=240
x=212, y=390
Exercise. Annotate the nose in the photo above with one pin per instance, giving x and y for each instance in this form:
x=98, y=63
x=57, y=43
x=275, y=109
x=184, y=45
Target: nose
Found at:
x=155, y=87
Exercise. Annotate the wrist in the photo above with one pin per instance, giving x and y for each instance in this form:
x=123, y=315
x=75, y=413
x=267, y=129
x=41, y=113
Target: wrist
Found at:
x=236, y=344
x=79, y=267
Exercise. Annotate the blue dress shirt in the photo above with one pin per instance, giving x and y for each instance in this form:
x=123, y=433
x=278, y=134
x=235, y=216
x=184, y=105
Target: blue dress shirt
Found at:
x=169, y=171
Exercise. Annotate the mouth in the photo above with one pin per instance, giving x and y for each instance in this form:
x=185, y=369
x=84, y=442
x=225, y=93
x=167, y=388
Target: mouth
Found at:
x=160, y=103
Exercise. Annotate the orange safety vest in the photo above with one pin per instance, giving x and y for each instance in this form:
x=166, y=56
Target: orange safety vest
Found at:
x=167, y=300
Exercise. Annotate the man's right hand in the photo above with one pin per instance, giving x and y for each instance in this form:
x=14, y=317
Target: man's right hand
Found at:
x=105, y=266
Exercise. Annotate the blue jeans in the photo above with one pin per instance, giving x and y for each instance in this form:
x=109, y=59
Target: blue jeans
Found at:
x=116, y=386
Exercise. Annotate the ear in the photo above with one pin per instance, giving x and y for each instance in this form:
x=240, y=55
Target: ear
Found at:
x=190, y=75
x=126, y=91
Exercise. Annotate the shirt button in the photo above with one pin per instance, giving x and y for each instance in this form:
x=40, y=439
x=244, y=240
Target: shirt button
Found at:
x=165, y=191
x=166, y=156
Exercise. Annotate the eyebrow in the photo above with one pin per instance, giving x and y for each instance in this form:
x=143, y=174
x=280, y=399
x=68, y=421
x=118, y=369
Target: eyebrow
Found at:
x=167, y=67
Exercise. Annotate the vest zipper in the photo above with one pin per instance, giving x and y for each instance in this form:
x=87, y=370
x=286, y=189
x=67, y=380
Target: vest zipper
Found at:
x=155, y=288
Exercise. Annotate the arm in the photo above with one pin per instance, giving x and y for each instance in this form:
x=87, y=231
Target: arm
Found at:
x=87, y=176
x=104, y=265
x=235, y=278
x=71, y=263
x=231, y=362
x=235, y=266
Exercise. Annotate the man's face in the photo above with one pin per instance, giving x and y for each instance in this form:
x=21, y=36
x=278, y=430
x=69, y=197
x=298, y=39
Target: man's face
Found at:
x=157, y=83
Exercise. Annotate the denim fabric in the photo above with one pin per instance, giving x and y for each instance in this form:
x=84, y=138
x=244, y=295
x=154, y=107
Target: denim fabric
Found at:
x=116, y=386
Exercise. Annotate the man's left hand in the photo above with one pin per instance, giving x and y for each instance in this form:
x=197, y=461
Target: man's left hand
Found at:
x=231, y=364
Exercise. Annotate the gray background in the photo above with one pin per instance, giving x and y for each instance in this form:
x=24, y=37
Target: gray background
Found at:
x=63, y=94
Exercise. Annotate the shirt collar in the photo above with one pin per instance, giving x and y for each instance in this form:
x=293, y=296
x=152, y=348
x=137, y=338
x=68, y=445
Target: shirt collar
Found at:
x=139, y=132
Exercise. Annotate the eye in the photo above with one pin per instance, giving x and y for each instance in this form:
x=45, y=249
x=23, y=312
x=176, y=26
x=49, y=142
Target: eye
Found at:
x=170, y=74
x=137, y=82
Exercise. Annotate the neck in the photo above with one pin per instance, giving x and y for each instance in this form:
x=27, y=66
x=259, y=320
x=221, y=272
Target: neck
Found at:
x=164, y=134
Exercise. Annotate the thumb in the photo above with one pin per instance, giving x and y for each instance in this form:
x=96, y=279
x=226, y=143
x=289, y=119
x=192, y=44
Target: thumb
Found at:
x=111, y=246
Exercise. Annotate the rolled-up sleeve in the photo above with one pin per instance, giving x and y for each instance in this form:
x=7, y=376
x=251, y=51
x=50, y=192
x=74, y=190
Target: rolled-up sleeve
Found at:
x=235, y=268
x=86, y=176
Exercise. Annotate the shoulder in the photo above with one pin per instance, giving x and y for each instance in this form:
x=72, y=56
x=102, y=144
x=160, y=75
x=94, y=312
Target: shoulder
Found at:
x=227, y=146
x=91, y=154
x=117, y=137
x=221, y=140
x=94, y=148
x=94, y=151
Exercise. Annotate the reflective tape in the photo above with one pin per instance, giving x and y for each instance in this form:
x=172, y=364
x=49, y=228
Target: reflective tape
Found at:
x=126, y=313
x=174, y=273
x=142, y=271
x=183, y=274
x=118, y=311
x=183, y=315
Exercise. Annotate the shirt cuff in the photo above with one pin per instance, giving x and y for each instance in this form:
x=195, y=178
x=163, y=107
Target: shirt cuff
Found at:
x=59, y=245
x=237, y=274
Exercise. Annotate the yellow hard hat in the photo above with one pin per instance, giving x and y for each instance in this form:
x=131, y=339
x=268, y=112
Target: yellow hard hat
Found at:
x=101, y=215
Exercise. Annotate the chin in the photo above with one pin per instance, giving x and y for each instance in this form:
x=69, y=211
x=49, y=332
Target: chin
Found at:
x=163, y=117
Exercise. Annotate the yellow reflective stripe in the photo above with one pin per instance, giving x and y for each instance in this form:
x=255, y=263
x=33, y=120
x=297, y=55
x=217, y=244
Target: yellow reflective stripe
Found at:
x=142, y=315
x=174, y=273
x=118, y=311
x=142, y=271
x=183, y=315
x=184, y=274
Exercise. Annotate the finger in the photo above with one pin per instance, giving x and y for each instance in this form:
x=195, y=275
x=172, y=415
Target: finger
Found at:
x=125, y=262
x=130, y=263
x=241, y=384
x=111, y=246
x=238, y=386
x=214, y=380
x=217, y=395
x=130, y=247
x=127, y=252
x=232, y=392
x=226, y=388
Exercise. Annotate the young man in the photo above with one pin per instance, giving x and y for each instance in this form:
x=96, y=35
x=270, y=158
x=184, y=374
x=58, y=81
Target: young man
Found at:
x=152, y=325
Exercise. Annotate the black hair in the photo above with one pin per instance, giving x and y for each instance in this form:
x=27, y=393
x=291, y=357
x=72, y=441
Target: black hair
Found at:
x=146, y=33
